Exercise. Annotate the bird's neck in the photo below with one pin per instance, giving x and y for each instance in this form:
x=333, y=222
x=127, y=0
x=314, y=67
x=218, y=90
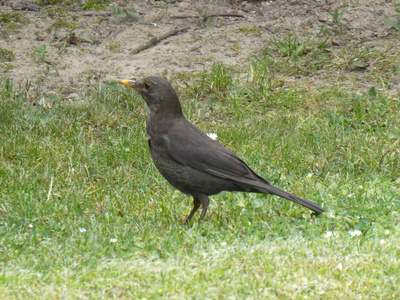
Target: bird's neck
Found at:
x=166, y=112
x=161, y=120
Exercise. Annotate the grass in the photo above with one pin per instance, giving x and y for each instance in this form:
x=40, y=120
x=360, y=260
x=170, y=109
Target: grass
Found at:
x=85, y=5
x=85, y=214
x=63, y=23
x=95, y=4
x=6, y=55
x=12, y=22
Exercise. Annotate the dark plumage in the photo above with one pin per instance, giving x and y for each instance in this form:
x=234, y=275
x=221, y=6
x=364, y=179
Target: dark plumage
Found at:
x=190, y=160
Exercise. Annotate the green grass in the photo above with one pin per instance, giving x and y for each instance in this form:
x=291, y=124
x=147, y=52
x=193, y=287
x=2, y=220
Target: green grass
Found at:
x=6, y=55
x=63, y=23
x=95, y=4
x=85, y=214
x=12, y=22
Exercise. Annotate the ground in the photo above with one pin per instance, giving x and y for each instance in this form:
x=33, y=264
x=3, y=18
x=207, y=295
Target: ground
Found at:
x=87, y=47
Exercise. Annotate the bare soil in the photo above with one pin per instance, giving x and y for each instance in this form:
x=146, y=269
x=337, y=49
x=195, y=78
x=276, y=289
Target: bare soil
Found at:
x=100, y=46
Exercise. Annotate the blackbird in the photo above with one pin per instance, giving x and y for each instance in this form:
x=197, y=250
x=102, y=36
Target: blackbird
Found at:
x=191, y=161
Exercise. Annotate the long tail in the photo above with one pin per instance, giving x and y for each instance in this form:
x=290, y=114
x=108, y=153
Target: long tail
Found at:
x=281, y=193
x=260, y=185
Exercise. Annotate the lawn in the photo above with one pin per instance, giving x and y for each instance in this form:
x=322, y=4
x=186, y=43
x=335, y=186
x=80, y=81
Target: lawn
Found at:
x=84, y=214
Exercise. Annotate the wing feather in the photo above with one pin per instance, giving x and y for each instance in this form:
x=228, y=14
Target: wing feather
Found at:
x=202, y=153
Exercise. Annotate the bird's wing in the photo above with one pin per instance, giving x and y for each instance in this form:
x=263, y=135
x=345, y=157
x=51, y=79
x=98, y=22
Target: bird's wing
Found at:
x=189, y=146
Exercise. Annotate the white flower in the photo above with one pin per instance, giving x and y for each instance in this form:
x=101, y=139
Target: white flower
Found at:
x=340, y=266
x=355, y=232
x=212, y=135
x=309, y=176
x=331, y=215
x=328, y=234
x=387, y=232
x=382, y=242
x=30, y=225
x=81, y=229
x=113, y=240
x=360, y=187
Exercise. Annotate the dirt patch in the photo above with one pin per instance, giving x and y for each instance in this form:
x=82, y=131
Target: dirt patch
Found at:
x=84, y=48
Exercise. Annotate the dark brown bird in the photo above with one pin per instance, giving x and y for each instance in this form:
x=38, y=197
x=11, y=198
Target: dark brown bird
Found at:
x=190, y=160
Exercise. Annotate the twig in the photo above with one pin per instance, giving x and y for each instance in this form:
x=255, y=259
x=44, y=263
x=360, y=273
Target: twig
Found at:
x=156, y=40
x=208, y=16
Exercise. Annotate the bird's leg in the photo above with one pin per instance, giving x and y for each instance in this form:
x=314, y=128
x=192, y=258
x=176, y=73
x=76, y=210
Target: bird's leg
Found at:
x=196, y=205
x=204, y=203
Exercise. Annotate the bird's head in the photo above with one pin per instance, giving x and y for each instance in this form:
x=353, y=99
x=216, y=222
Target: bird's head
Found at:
x=157, y=92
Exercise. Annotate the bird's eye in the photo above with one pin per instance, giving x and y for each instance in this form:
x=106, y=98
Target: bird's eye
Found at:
x=147, y=86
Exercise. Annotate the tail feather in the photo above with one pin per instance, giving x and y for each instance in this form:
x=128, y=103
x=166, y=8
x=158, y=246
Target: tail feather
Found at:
x=281, y=193
x=255, y=183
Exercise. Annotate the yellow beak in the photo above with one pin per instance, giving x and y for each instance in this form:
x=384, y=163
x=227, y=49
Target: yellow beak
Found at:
x=128, y=82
